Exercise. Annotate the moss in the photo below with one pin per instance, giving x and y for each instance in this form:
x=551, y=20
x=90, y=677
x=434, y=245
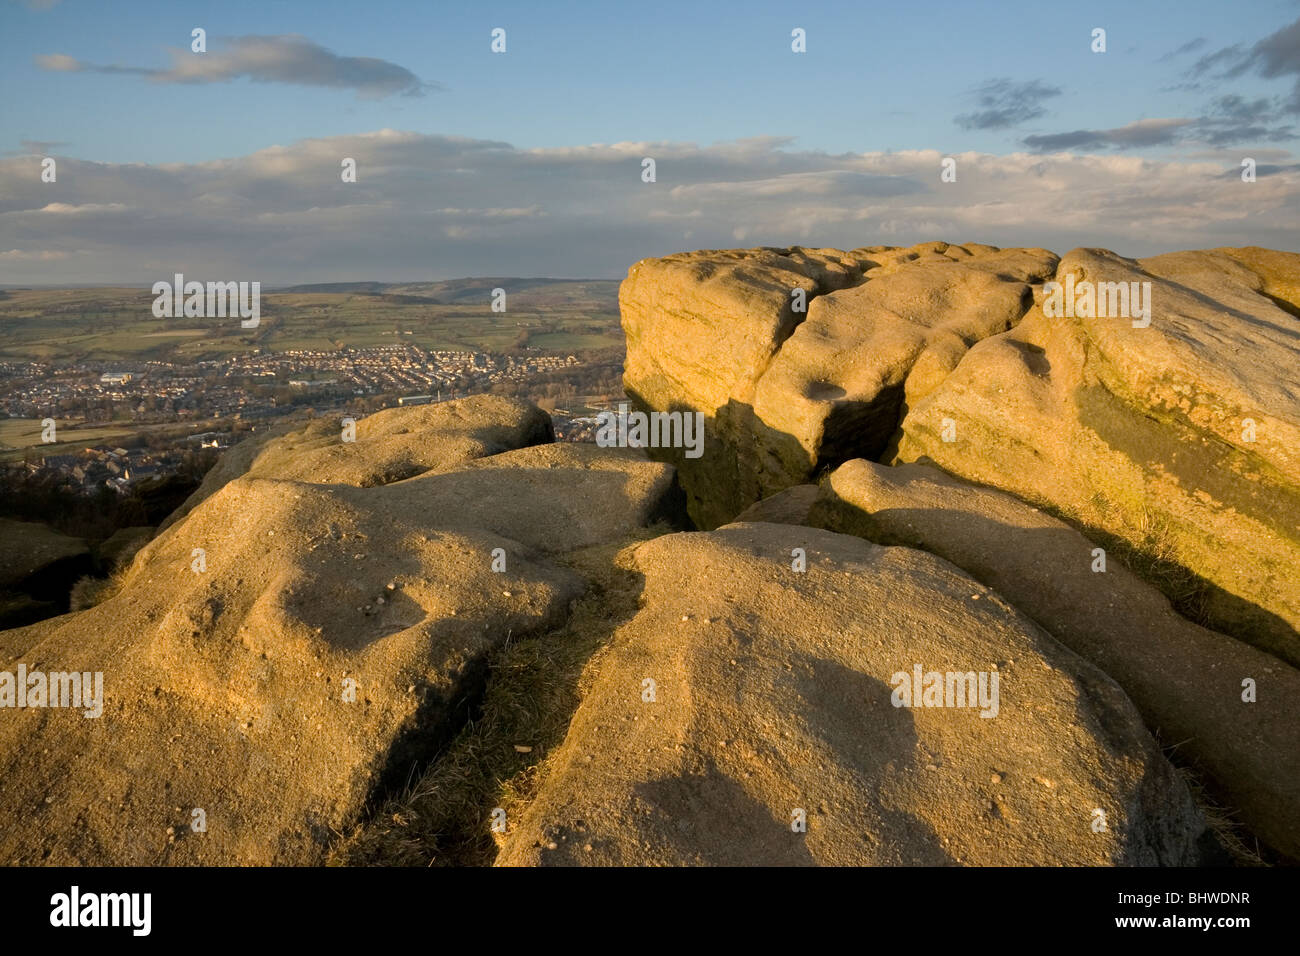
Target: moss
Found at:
x=1165, y=440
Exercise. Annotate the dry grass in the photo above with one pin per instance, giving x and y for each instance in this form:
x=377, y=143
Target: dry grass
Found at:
x=90, y=591
x=1147, y=545
x=534, y=686
x=1242, y=847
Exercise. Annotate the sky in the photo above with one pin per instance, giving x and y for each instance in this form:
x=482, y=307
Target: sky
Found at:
x=225, y=164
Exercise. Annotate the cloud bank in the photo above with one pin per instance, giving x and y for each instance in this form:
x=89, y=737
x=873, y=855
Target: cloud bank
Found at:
x=427, y=206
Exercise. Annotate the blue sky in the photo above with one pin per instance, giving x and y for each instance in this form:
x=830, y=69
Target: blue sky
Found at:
x=87, y=82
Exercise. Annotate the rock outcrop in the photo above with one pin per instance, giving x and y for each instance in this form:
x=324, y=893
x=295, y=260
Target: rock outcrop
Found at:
x=724, y=721
x=803, y=358
x=387, y=446
x=894, y=642
x=701, y=329
x=1229, y=708
x=1149, y=407
x=1177, y=434
x=296, y=640
x=1181, y=438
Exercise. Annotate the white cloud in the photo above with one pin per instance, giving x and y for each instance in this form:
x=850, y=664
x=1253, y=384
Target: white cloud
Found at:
x=440, y=206
x=32, y=255
x=64, y=209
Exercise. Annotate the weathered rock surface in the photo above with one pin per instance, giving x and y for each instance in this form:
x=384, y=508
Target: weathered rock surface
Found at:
x=1182, y=438
x=225, y=688
x=1187, y=681
x=750, y=690
x=38, y=566
x=840, y=382
x=701, y=328
x=772, y=694
x=390, y=445
x=121, y=546
x=785, y=392
x=27, y=547
x=792, y=506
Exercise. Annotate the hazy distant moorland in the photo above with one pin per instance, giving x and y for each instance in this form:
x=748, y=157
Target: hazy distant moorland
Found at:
x=106, y=324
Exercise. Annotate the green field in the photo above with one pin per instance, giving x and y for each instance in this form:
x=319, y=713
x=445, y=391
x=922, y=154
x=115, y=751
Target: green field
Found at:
x=108, y=324
x=19, y=435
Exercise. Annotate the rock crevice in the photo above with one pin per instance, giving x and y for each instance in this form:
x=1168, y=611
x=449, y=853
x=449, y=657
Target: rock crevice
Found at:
x=712, y=332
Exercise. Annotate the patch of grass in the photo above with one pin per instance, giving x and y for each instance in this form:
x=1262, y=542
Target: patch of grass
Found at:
x=1144, y=541
x=1151, y=551
x=21, y=435
x=90, y=591
x=534, y=686
x=1242, y=847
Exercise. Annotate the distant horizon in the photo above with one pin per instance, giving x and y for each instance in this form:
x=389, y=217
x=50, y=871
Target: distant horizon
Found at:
x=279, y=286
x=282, y=286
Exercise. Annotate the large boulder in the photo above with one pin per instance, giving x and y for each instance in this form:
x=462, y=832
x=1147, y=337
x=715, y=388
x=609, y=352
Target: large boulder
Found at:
x=388, y=446
x=722, y=717
x=38, y=568
x=791, y=506
x=1181, y=437
x=29, y=547
x=842, y=381
x=701, y=328
x=1229, y=708
x=785, y=391
x=289, y=648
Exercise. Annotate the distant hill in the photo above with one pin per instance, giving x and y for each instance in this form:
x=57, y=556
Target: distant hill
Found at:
x=361, y=288
x=535, y=293
x=117, y=324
